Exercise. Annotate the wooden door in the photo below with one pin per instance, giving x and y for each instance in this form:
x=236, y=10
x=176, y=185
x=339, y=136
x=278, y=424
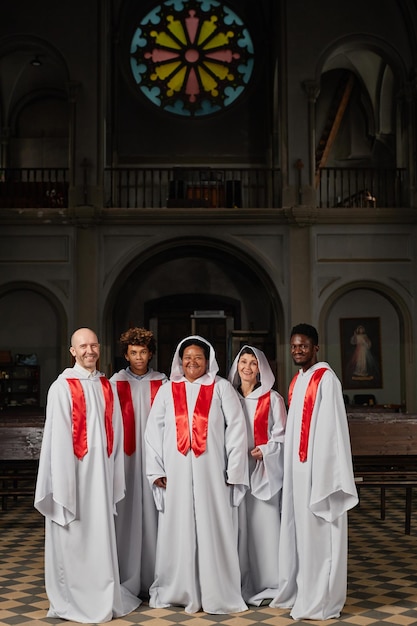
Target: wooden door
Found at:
x=171, y=328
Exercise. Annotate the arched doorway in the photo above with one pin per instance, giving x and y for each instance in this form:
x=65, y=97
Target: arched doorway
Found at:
x=33, y=322
x=192, y=286
x=212, y=316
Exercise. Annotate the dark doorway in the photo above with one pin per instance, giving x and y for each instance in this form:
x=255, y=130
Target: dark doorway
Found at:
x=174, y=317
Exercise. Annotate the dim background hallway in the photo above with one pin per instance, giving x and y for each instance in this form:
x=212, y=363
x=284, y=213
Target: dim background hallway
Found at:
x=382, y=576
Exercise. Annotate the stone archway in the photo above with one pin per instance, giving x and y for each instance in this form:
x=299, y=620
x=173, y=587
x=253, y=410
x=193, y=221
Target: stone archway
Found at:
x=34, y=322
x=369, y=298
x=190, y=275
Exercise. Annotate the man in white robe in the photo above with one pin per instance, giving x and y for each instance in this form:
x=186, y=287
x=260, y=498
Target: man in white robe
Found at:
x=196, y=460
x=137, y=517
x=318, y=489
x=80, y=480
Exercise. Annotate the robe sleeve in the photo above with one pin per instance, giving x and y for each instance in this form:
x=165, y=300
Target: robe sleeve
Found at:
x=55, y=495
x=154, y=440
x=266, y=478
x=333, y=489
x=235, y=442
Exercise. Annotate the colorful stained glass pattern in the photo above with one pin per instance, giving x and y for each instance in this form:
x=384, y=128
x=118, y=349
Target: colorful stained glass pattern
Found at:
x=192, y=57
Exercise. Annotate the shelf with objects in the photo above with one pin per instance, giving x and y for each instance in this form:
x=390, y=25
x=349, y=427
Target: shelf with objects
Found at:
x=19, y=382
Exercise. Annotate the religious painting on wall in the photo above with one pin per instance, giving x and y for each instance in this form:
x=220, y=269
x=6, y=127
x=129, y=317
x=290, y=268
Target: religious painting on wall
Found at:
x=360, y=343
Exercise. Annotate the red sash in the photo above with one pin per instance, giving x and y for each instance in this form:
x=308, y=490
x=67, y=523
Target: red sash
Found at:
x=200, y=418
x=124, y=392
x=155, y=384
x=79, y=416
x=128, y=415
x=308, y=407
x=260, y=421
x=108, y=412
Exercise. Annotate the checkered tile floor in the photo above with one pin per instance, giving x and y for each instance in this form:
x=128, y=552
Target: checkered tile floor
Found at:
x=382, y=585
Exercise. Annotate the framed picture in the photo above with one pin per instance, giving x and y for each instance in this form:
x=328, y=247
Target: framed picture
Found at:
x=360, y=343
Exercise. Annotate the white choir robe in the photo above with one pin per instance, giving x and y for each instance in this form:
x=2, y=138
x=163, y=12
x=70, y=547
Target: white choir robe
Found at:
x=78, y=499
x=260, y=511
x=137, y=517
x=317, y=494
x=197, y=563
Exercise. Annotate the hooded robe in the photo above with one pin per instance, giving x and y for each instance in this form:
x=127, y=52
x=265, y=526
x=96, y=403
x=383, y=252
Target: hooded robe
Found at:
x=318, y=490
x=260, y=512
x=197, y=563
x=80, y=480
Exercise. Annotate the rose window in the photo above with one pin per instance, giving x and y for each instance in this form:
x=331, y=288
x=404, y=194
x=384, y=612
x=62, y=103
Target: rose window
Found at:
x=191, y=57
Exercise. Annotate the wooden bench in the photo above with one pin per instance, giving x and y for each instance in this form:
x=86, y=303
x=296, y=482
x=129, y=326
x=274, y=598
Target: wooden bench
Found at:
x=17, y=480
x=384, y=450
x=20, y=443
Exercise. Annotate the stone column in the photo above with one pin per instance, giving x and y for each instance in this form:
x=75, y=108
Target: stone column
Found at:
x=409, y=95
x=72, y=88
x=312, y=90
x=5, y=142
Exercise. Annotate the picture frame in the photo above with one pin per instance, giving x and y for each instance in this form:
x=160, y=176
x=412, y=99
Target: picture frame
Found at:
x=360, y=347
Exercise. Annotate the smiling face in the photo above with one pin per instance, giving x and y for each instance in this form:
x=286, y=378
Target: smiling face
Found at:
x=248, y=369
x=85, y=348
x=138, y=357
x=194, y=363
x=303, y=351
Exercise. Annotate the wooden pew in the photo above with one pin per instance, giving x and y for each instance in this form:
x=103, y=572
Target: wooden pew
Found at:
x=384, y=450
x=20, y=444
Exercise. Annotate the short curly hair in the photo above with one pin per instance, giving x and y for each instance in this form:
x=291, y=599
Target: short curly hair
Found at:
x=137, y=337
x=307, y=330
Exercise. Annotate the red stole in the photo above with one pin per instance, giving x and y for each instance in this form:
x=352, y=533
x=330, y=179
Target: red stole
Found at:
x=200, y=418
x=260, y=420
x=79, y=416
x=155, y=384
x=308, y=407
x=128, y=414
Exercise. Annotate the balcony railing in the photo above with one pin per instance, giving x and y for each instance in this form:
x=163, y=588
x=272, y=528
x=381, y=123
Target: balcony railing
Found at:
x=182, y=187
x=185, y=187
x=362, y=187
x=33, y=187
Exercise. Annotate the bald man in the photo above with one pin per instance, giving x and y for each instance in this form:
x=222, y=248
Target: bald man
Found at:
x=80, y=480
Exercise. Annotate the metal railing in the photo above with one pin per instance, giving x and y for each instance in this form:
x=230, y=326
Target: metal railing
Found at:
x=177, y=187
x=362, y=187
x=188, y=187
x=34, y=187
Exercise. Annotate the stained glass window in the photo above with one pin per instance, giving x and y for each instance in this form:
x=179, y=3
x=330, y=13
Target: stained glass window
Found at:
x=191, y=57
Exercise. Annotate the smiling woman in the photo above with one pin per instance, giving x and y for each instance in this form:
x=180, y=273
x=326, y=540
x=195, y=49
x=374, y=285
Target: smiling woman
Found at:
x=194, y=356
x=196, y=463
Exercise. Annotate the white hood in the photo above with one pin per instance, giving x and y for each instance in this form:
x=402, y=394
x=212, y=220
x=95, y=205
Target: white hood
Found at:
x=177, y=373
x=267, y=377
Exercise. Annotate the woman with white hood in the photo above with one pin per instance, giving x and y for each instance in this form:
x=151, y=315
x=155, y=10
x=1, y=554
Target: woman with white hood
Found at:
x=259, y=513
x=196, y=463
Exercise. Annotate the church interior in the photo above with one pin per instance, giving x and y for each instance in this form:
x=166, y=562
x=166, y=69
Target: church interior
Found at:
x=221, y=168
x=260, y=177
